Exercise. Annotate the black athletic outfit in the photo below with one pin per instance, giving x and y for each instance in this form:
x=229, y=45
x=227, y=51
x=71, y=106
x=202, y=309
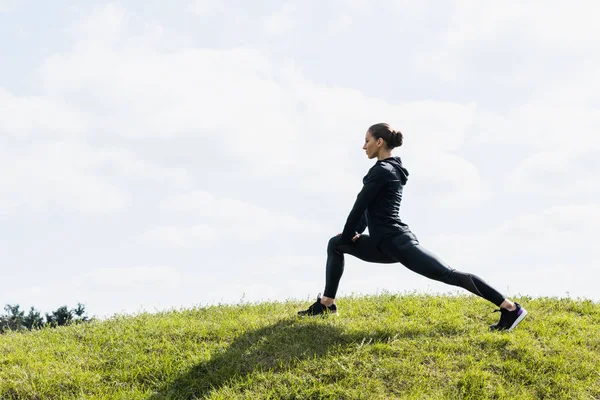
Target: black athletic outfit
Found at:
x=390, y=240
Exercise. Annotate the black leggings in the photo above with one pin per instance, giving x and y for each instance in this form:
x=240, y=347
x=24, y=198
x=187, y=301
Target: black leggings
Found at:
x=405, y=249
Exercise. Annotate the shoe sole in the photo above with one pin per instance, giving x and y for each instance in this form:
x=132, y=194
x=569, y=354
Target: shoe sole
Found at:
x=335, y=314
x=518, y=320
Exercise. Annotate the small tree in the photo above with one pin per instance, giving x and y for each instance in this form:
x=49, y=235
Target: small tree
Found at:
x=62, y=316
x=13, y=319
x=3, y=323
x=33, y=320
x=79, y=312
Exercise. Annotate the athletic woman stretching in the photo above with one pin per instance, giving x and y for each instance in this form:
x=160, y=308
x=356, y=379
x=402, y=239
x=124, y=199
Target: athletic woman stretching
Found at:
x=390, y=240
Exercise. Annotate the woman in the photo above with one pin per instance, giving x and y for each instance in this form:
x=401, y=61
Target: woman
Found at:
x=390, y=240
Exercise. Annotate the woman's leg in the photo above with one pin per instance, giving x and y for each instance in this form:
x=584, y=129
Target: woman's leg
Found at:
x=363, y=248
x=420, y=260
x=423, y=262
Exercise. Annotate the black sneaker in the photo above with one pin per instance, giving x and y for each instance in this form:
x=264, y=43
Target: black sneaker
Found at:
x=318, y=309
x=509, y=319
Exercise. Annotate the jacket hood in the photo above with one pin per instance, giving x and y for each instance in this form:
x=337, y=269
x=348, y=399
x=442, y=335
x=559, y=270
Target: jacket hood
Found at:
x=396, y=162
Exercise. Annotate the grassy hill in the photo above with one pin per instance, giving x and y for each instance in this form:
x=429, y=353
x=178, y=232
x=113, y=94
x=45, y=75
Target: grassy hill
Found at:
x=379, y=347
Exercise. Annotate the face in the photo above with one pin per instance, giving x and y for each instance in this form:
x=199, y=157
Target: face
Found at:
x=372, y=145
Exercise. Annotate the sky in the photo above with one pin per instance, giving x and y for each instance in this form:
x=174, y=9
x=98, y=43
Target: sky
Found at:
x=159, y=156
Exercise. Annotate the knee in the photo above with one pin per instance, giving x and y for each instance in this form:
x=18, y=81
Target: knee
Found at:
x=333, y=243
x=459, y=278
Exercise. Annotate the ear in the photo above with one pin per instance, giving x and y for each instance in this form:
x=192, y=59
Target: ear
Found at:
x=380, y=142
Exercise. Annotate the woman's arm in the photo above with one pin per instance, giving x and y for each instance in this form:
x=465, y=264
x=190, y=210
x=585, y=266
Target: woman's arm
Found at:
x=370, y=189
x=362, y=224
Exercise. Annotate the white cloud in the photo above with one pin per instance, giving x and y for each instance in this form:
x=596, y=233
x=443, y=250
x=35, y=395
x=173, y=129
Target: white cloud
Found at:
x=211, y=94
x=145, y=277
x=556, y=23
x=8, y=5
x=358, y=6
x=525, y=37
x=57, y=174
x=539, y=126
x=550, y=231
x=341, y=25
x=207, y=7
x=452, y=182
x=124, y=162
x=103, y=28
x=555, y=174
x=206, y=205
x=76, y=176
x=179, y=237
x=281, y=21
x=195, y=85
x=24, y=116
x=223, y=219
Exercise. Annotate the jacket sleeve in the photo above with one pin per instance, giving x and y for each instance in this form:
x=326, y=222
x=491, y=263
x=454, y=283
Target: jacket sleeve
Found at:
x=362, y=224
x=372, y=185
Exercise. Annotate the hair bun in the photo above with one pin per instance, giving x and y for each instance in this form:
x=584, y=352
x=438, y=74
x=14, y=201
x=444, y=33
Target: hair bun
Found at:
x=397, y=138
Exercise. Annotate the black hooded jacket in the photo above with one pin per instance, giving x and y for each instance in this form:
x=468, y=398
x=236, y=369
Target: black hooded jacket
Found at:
x=378, y=203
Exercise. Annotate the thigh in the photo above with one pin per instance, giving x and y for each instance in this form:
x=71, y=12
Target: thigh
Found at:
x=365, y=249
x=422, y=261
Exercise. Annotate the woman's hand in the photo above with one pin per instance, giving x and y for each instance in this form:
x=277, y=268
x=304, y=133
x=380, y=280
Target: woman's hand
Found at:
x=354, y=239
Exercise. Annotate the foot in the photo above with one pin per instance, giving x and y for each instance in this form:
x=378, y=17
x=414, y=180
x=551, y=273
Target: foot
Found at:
x=509, y=319
x=318, y=309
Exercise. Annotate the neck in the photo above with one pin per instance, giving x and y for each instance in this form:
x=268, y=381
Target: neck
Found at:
x=383, y=154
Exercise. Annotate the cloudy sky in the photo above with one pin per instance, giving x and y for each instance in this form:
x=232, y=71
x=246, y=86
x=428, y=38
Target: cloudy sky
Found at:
x=157, y=156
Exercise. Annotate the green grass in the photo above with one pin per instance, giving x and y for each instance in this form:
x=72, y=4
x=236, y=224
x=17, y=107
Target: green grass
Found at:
x=380, y=347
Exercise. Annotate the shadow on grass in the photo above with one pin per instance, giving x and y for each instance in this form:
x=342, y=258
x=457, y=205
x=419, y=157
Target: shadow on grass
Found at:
x=273, y=348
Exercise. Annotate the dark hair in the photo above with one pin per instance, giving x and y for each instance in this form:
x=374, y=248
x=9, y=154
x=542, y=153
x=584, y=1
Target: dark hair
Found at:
x=391, y=137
